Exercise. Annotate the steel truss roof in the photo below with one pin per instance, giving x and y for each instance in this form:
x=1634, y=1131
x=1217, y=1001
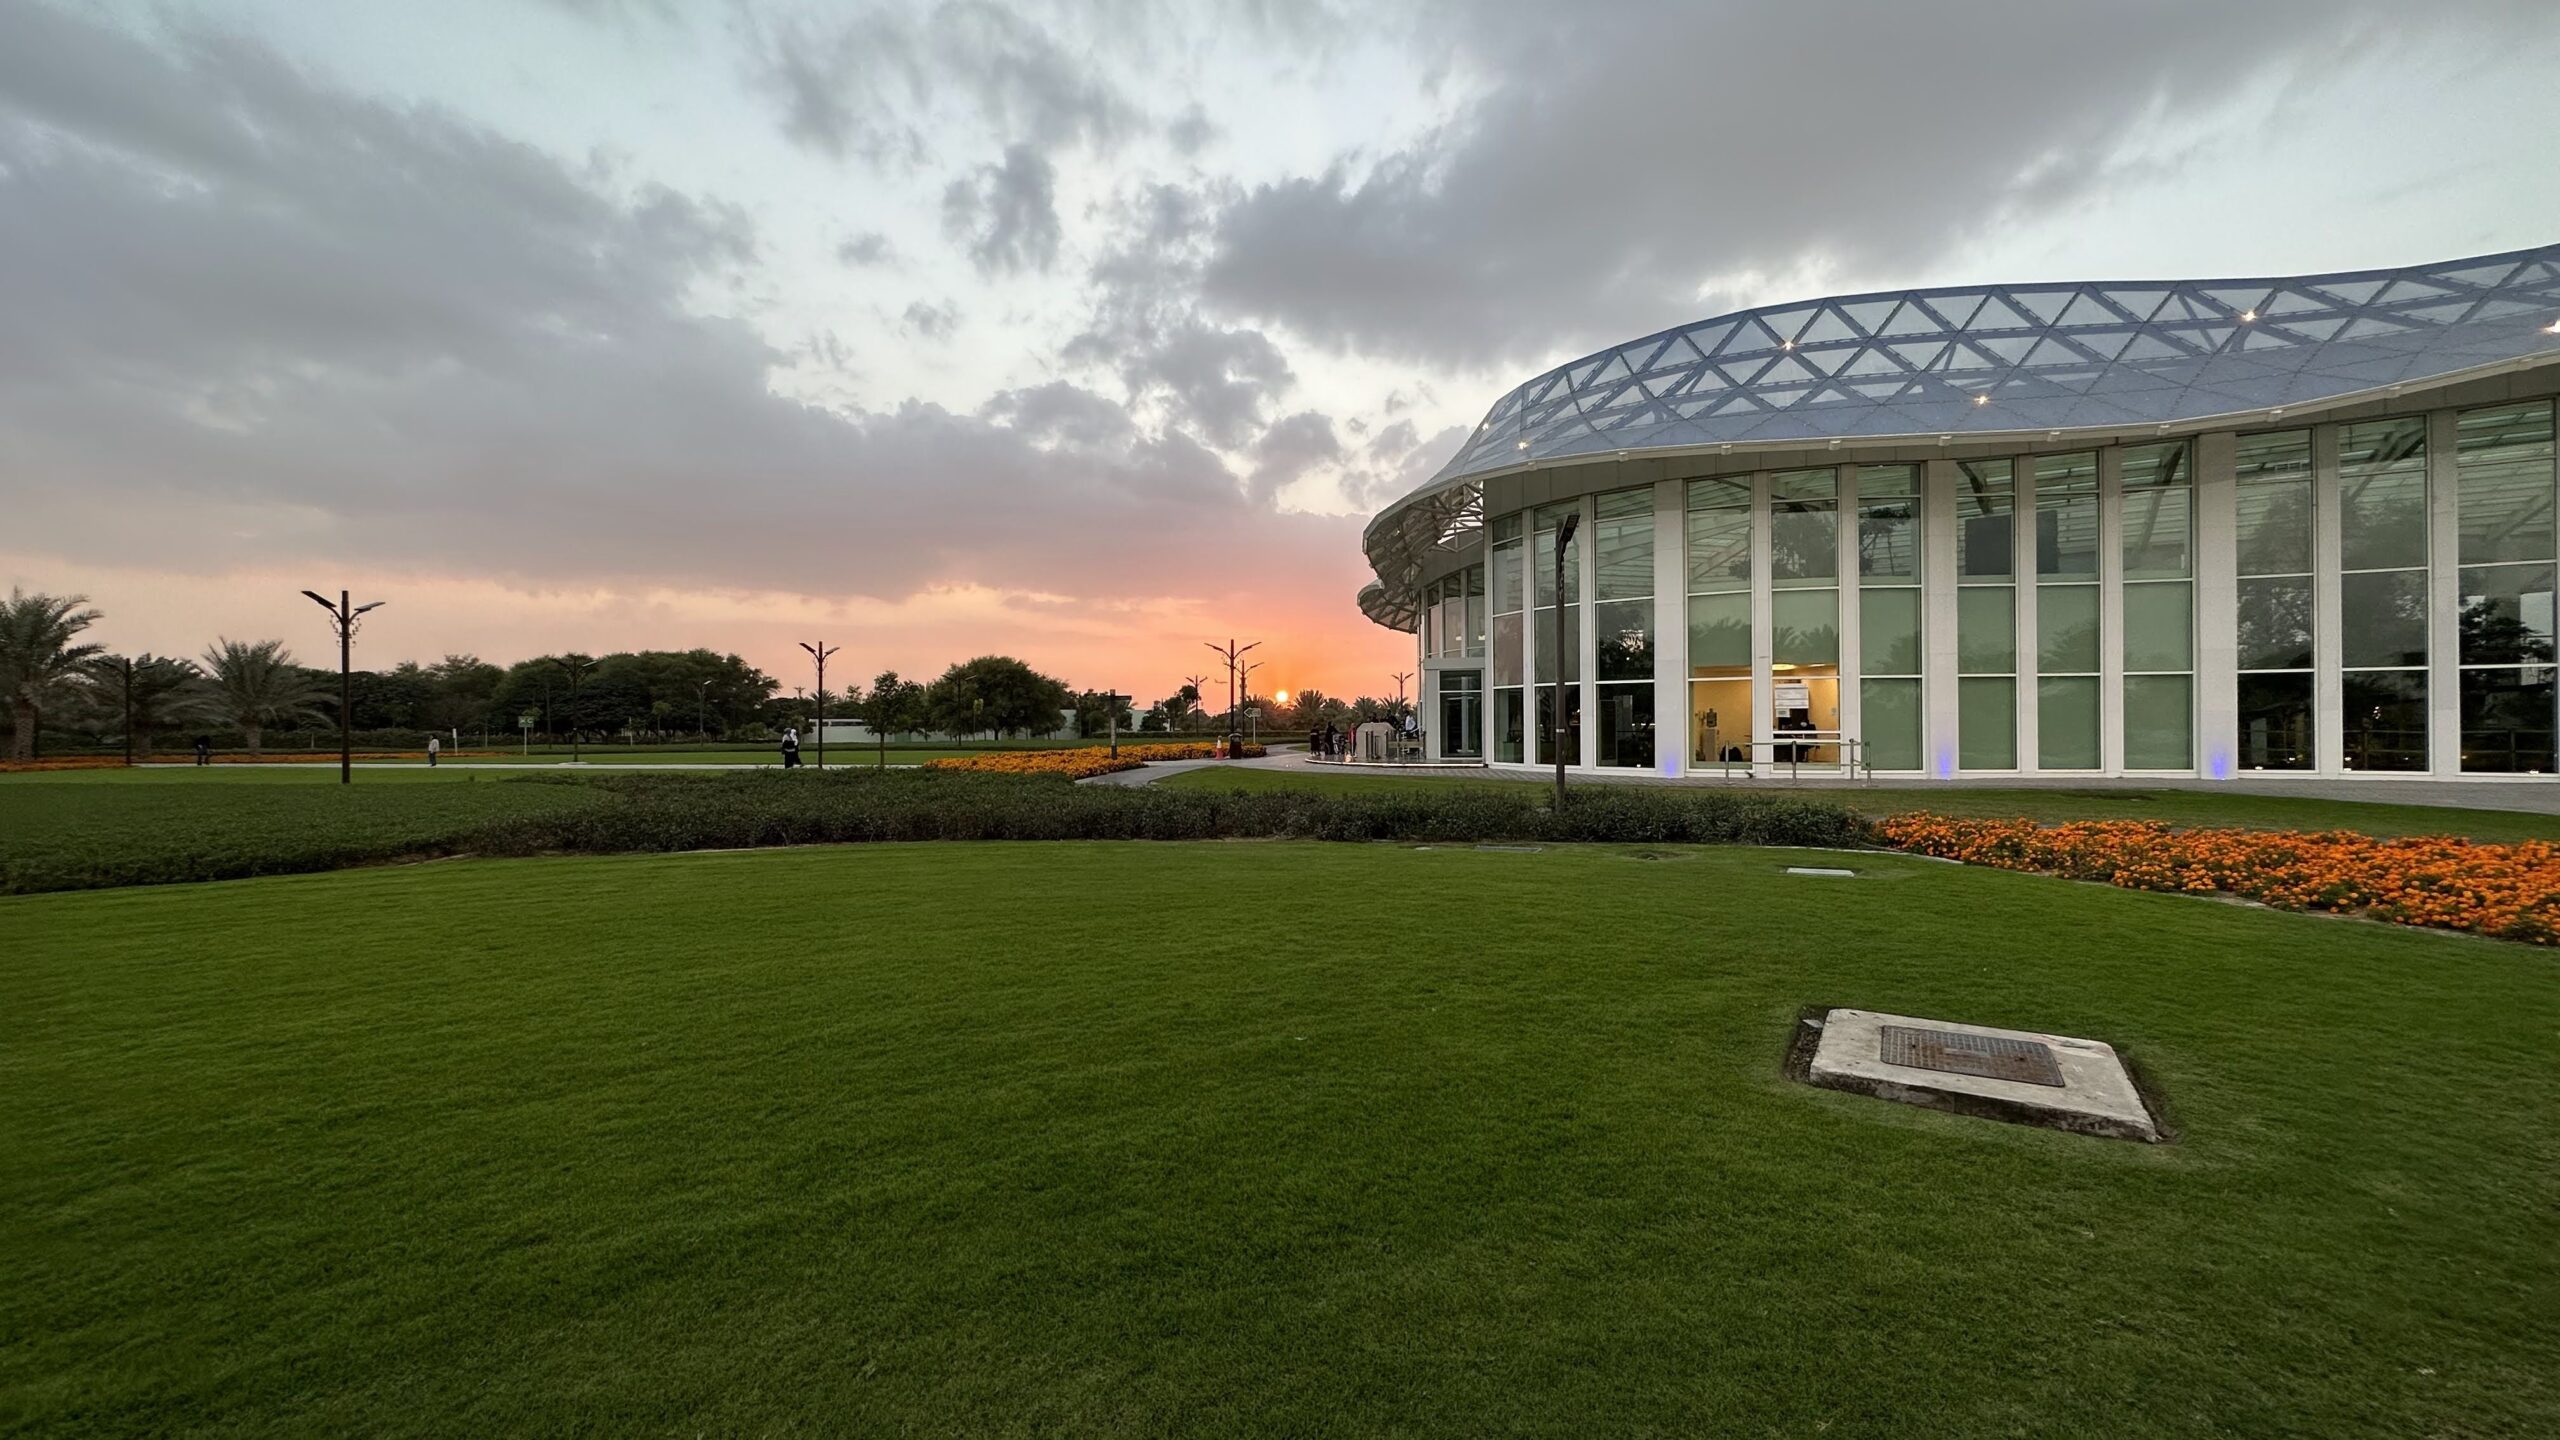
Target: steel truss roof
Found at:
x=1982, y=360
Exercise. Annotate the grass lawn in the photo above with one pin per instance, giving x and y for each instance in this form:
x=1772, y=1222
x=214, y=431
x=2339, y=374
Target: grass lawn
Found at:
x=1246, y=1139
x=2178, y=807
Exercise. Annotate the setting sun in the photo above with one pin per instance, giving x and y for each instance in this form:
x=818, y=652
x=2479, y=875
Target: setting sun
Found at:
x=1281, y=696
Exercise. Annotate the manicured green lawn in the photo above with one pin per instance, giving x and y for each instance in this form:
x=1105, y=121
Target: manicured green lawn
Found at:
x=1246, y=1139
x=2178, y=807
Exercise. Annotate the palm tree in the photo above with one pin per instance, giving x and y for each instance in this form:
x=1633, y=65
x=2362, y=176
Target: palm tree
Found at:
x=149, y=693
x=259, y=685
x=38, y=662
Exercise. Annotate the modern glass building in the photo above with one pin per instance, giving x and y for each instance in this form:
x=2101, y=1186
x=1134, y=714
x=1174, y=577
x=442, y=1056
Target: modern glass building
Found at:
x=2179, y=528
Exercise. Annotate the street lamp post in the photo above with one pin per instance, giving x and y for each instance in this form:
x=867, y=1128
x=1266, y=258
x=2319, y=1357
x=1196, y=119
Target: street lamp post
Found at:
x=1564, y=537
x=701, y=709
x=819, y=652
x=1232, y=654
x=343, y=618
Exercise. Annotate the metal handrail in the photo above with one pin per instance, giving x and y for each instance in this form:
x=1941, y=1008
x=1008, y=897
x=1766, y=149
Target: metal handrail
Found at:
x=1854, y=761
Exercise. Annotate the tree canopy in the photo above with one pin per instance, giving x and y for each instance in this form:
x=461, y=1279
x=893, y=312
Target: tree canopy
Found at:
x=998, y=693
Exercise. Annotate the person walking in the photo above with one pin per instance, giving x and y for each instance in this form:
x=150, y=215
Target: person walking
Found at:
x=791, y=748
x=204, y=749
x=435, y=747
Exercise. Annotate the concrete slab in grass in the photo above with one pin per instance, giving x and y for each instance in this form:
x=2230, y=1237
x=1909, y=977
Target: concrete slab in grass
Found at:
x=2059, y=1081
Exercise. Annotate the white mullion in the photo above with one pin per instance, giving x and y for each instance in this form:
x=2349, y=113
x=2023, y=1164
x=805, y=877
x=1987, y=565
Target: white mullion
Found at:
x=2328, y=689
x=1852, y=719
x=1670, y=627
x=2444, y=599
x=1763, y=640
x=1940, y=513
x=2111, y=610
x=2215, y=571
x=2025, y=574
x=1587, y=624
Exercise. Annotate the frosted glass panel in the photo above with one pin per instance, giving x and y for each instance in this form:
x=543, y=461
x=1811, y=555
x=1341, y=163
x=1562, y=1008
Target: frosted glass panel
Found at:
x=2159, y=627
x=2159, y=722
x=2067, y=723
x=1987, y=724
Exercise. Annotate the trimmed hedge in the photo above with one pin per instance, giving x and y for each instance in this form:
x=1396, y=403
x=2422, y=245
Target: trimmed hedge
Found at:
x=617, y=814
x=689, y=812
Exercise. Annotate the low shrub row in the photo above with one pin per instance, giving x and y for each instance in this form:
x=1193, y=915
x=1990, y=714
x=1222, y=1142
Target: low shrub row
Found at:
x=136, y=837
x=2509, y=891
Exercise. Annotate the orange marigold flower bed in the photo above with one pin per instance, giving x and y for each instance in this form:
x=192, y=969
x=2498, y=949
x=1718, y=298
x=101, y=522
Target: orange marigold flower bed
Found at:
x=1081, y=762
x=2445, y=883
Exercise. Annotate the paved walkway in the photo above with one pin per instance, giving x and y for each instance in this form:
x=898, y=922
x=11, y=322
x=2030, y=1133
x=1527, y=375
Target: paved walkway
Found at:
x=2540, y=796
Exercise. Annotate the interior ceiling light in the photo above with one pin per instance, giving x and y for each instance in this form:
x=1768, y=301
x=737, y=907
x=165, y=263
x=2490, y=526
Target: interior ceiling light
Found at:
x=2552, y=329
x=1981, y=399
x=2246, y=316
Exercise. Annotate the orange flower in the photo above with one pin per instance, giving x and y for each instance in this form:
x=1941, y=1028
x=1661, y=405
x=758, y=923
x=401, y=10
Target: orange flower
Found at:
x=2442, y=882
x=1081, y=762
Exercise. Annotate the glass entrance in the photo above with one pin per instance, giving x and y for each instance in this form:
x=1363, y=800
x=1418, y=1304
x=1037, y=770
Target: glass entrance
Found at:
x=1462, y=714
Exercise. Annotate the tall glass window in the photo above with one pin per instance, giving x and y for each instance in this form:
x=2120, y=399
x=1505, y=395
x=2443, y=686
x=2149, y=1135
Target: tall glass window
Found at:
x=2159, y=655
x=1623, y=625
x=1557, y=643
x=2273, y=503
x=2382, y=592
x=2067, y=630
x=2503, y=474
x=1509, y=602
x=1889, y=615
x=1986, y=615
x=1718, y=547
x=1804, y=610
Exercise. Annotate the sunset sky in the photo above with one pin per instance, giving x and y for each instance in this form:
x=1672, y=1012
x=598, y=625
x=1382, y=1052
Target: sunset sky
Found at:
x=1083, y=333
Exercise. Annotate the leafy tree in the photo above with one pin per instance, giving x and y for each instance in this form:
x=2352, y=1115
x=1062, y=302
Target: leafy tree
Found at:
x=1313, y=709
x=463, y=687
x=147, y=694
x=894, y=706
x=995, y=692
x=1177, y=707
x=40, y=663
x=1369, y=707
x=255, y=686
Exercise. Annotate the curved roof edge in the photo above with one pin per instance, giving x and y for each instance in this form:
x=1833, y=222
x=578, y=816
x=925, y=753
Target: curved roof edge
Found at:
x=1983, y=363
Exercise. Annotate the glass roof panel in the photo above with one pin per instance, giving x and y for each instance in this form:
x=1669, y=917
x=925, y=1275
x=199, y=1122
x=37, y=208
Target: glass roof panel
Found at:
x=1829, y=325
x=1913, y=318
x=2354, y=292
x=1868, y=314
x=1998, y=314
x=2137, y=302
x=2046, y=305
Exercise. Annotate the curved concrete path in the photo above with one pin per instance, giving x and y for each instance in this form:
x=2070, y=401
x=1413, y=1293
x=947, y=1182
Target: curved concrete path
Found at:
x=2532, y=796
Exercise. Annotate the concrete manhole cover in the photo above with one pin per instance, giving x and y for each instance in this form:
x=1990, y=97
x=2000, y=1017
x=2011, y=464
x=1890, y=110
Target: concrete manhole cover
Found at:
x=1956, y=1053
x=2060, y=1081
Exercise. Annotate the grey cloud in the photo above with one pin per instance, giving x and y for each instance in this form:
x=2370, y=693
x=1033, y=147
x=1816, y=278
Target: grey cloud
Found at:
x=1395, y=461
x=1291, y=447
x=295, y=327
x=1190, y=132
x=1622, y=154
x=933, y=322
x=1006, y=214
x=851, y=89
x=868, y=248
x=1147, y=328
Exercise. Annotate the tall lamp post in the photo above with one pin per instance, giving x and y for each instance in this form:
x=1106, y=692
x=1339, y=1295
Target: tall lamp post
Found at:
x=1195, y=682
x=1231, y=653
x=1244, y=696
x=819, y=652
x=343, y=617
x=576, y=667
x=1564, y=537
x=701, y=709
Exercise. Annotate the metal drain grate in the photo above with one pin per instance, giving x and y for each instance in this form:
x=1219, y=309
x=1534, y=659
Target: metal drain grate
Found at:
x=1989, y=1056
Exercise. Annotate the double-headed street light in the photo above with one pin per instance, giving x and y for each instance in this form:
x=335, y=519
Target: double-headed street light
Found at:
x=343, y=618
x=819, y=652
